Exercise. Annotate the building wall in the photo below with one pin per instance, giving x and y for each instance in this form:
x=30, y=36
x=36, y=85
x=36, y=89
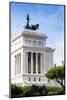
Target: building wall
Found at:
x=34, y=42
x=23, y=45
x=49, y=60
x=13, y=62
x=16, y=44
x=16, y=48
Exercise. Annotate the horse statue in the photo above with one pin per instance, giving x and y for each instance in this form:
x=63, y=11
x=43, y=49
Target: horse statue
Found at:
x=32, y=27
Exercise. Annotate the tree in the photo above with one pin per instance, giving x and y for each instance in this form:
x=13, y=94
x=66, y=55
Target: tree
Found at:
x=57, y=73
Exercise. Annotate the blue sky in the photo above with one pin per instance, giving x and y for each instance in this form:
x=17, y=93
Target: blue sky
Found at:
x=51, y=22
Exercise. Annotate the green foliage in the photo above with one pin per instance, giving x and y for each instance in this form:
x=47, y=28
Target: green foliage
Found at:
x=28, y=91
x=55, y=72
x=26, y=88
x=58, y=74
x=55, y=90
x=16, y=91
x=43, y=90
x=35, y=91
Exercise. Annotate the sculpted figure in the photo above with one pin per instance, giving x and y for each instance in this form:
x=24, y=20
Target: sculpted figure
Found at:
x=32, y=27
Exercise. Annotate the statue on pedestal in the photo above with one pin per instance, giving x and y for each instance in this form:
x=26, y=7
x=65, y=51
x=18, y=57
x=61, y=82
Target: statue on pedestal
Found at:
x=28, y=19
x=32, y=27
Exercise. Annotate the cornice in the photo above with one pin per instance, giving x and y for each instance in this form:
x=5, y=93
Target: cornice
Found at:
x=30, y=33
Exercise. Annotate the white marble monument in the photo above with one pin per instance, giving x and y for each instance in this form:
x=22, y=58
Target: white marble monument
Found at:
x=30, y=58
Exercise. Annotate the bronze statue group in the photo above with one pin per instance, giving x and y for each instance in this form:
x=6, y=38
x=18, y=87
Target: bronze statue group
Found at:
x=31, y=27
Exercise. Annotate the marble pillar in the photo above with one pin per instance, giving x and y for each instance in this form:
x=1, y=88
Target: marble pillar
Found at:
x=31, y=63
x=36, y=63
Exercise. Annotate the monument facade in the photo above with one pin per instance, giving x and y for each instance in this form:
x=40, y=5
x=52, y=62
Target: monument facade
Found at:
x=30, y=58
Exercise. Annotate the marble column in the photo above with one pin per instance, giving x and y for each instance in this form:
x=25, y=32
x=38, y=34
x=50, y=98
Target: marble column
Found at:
x=20, y=63
x=17, y=65
x=44, y=69
x=23, y=62
x=26, y=60
x=31, y=63
x=36, y=63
